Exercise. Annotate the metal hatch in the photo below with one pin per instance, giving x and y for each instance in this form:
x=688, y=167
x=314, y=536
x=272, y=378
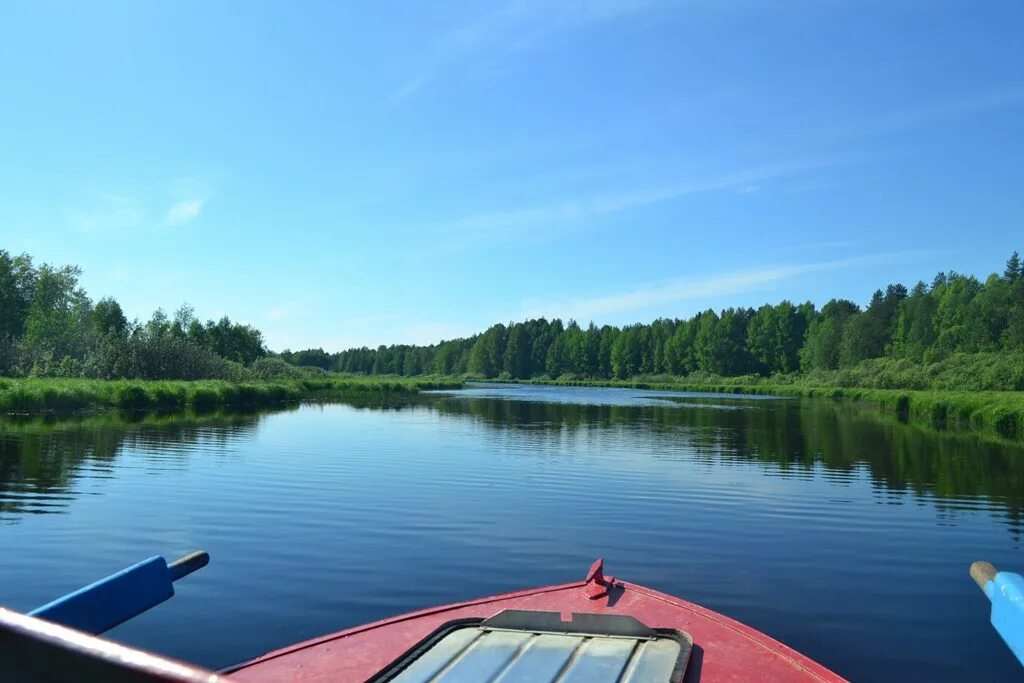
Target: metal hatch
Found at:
x=517, y=645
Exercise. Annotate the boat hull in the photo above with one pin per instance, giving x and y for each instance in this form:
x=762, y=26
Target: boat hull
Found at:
x=723, y=650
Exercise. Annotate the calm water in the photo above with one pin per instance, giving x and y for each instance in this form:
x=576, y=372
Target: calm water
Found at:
x=840, y=533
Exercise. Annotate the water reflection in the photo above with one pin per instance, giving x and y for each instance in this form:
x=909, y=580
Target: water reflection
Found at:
x=41, y=458
x=789, y=437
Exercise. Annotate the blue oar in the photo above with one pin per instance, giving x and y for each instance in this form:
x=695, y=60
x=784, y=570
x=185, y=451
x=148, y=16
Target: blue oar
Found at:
x=1006, y=591
x=102, y=605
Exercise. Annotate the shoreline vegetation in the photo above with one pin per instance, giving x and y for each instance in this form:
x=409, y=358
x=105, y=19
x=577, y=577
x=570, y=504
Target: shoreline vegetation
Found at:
x=41, y=395
x=998, y=414
x=995, y=413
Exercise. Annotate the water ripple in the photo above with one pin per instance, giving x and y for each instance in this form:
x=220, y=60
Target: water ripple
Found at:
x=825, y=527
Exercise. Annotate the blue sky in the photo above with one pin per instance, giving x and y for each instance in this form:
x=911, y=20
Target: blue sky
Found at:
x=360, y=173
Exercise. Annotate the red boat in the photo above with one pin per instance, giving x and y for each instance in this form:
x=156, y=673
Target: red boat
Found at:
x=598, y=629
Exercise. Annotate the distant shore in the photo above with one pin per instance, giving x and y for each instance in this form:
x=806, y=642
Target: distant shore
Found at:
x=998, y=413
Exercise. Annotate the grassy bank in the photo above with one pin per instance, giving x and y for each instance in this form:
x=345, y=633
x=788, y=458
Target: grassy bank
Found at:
x=999, y=413
x=42, y=395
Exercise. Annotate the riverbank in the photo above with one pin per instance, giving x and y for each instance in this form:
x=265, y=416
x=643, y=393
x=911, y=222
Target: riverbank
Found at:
x=998, y=413
x=38, y=395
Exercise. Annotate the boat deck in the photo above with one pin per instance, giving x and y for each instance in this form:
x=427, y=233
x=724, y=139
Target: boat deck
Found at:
x=517, y=646
x=722, y=650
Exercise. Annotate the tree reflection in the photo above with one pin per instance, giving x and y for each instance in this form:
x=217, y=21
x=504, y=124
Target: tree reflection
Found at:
x=40, y=458
x=951, y=468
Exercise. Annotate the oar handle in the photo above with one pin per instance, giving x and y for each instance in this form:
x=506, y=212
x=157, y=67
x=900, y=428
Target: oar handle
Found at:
x=982, y=572
x=183, y=566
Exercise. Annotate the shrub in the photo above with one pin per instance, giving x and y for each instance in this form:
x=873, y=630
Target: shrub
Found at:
x=203, y=397
x=131, y=396
x=168, y=395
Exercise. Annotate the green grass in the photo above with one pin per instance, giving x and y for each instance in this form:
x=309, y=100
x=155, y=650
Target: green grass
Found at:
x=998, y=413
x=27, y=396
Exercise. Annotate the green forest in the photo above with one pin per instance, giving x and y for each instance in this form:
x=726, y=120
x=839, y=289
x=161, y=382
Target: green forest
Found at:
x=49, y=327
x=956, y=332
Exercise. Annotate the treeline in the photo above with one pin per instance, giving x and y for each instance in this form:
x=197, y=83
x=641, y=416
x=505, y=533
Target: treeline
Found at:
x=953, y=314
x=49, y=327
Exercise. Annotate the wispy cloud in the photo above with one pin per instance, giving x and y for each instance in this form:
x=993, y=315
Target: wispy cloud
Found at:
x=933, y=112
x=483, y=229
x=696, y=288
x=410, y=87
x=184, y=211
x=109, y=212
x=180, y=202
x=514, y=27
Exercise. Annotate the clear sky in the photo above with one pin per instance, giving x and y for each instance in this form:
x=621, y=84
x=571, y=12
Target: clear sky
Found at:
x=348, y=173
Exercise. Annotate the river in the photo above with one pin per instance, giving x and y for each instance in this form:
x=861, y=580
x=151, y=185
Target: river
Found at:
x=844, y=534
